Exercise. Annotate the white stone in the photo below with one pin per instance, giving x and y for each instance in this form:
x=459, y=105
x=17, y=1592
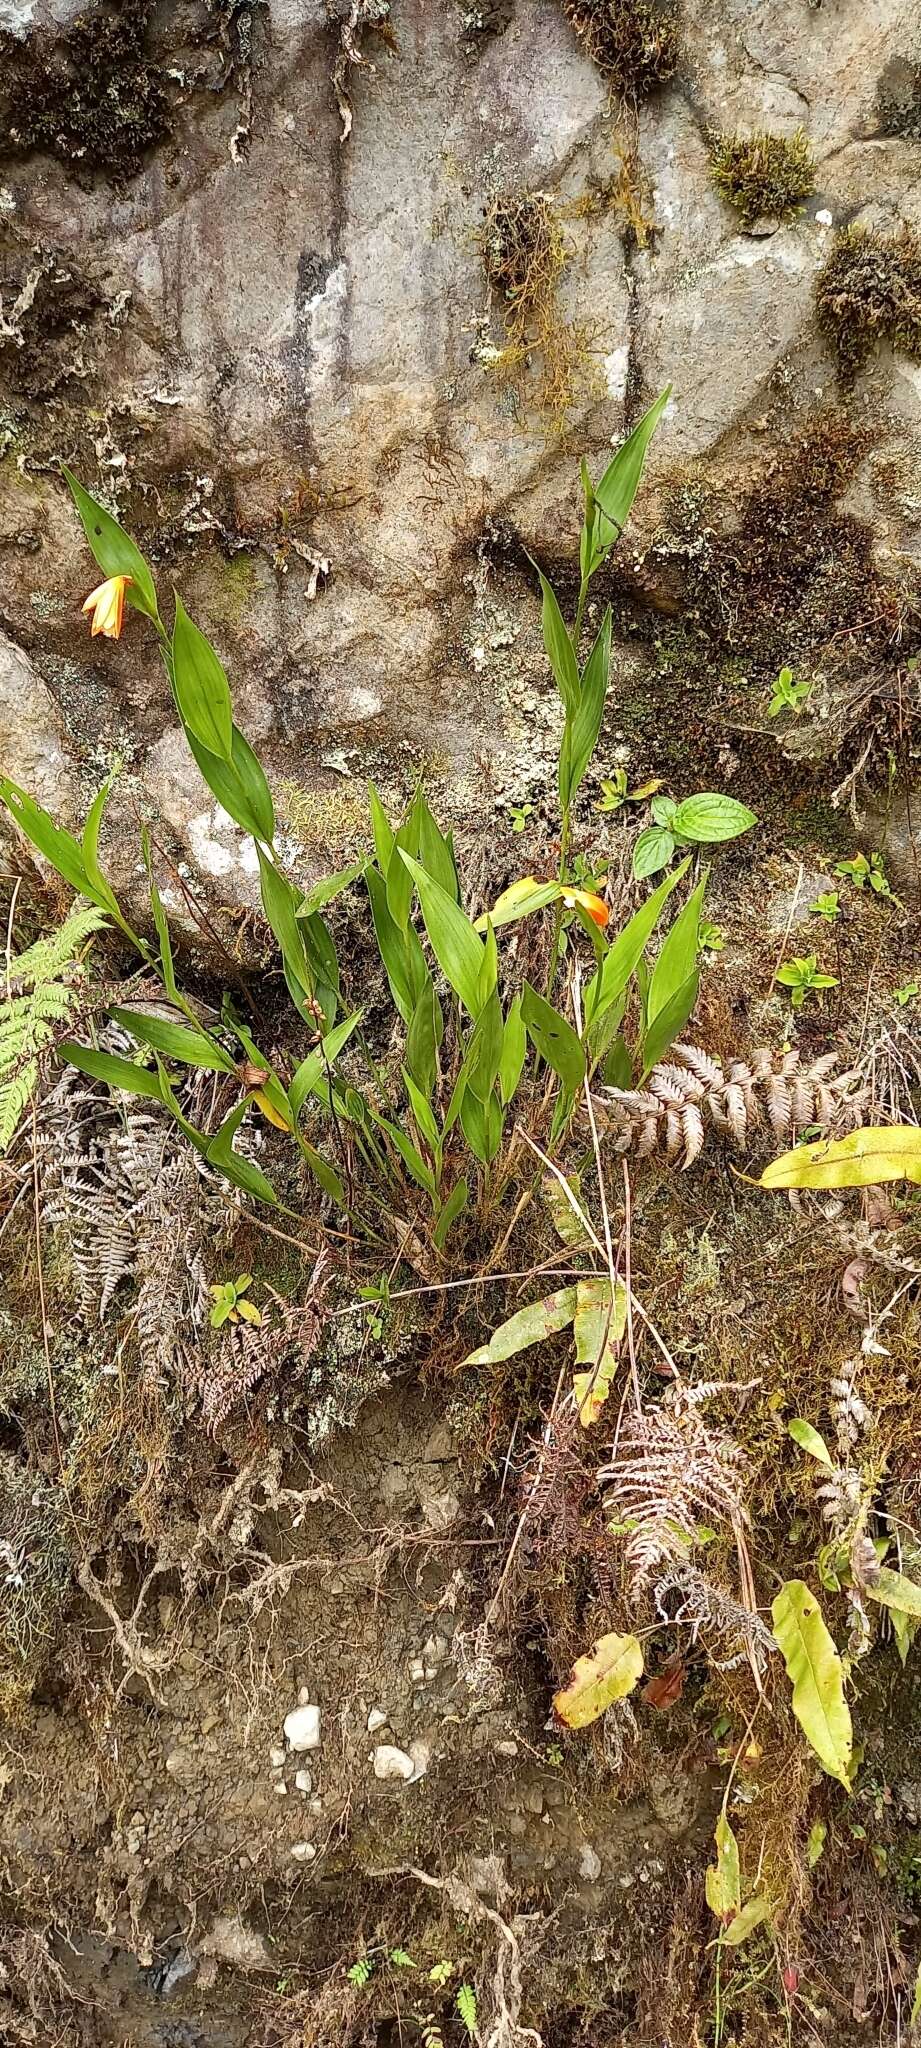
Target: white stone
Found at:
x=377, y=1719
x=277, y=1756
x=390, y=1762
x=303, y=1852
x=302, y=1728
x=303, y=1781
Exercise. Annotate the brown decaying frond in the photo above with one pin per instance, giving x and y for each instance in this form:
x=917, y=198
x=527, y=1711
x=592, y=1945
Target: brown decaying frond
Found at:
x=691, y=1092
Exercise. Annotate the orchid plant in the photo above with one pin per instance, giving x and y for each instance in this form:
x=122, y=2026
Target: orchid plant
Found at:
x=465, y=1036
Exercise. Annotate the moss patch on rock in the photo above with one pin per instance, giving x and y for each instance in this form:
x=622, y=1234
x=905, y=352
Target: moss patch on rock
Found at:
x=870, y=291
x=635, y=43
x=94, y=97
x=763, y=176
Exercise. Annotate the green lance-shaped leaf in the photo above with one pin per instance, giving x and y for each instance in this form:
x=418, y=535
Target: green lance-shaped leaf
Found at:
x=531, y=1325
x=816, y=1674
x=114, y=550
x=514, y=1051
x=610, y=981
x=864, y=1159
x=482, y=1124
x=449, y=1213
x=456, y=946
x=314, y=1070
x=175, y=1041
x=615, y=493
x=810, y=1440
x=608, y=1673
x=111, y=1067
x=554, y=1038
x=559, y=648
x=585, y=724
x=893, y=1590
x=201, y=686
x=77, y=865
x=239, y=785
x=241, y=1172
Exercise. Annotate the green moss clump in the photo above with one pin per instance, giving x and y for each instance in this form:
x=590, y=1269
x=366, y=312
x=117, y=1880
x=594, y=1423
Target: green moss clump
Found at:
x=764, y=176
x=634, y=43
x=94, y=99
x=870, y=291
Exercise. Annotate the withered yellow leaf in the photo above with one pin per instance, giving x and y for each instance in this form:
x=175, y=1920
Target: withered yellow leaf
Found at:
x=598, y=1328
x=864, y=1159
x=268, y=1109
x=606, y=1674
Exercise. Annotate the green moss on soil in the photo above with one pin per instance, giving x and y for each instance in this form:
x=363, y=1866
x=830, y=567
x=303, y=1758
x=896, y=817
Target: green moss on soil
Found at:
x=764, y=176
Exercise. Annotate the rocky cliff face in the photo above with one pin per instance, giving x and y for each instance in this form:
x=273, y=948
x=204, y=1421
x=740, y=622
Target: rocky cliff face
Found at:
x=327, y=297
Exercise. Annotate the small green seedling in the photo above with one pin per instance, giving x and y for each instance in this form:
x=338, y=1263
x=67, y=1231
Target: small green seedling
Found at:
x=378, y=1293
x=788, y=695
x=712, y=937
x=703, y=820
x=803, y=978
x=614, y=791
x=866, y=873
x=520, y=813
x=828, y=905
x=228, y=1304
x=907, y=993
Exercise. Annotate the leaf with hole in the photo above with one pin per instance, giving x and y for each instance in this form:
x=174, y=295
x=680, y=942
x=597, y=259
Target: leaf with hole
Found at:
x=531, y=1325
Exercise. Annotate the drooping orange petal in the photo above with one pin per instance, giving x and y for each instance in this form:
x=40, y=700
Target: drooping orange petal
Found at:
x=593, y=906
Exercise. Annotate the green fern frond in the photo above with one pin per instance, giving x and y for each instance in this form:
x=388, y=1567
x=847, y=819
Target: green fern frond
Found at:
x=39, y=995
x=466, y=2008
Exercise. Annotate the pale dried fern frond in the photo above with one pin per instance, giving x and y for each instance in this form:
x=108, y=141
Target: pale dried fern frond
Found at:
x=691, y=1091
x=670, y=1471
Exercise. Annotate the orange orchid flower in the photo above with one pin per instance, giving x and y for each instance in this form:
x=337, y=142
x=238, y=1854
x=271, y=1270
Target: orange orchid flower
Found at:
x=593, y=906
x=107, y=605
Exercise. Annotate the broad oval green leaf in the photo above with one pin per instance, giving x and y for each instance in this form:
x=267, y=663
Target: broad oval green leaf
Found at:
x=816, y=1674
x=607, y=1673
x=864, y=1159
x=201, y=686
x=653, y=850
x=114, y=550
x=709, y=818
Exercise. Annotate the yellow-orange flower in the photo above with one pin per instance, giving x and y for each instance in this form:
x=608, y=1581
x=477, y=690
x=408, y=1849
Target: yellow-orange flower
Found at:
x=107, y=604
x=593, y=906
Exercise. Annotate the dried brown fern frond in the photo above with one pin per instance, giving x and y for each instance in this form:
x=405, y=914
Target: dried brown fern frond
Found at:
x=669, y=1472
x=734, y=1634
x=691, y=1092
x=246, y=1354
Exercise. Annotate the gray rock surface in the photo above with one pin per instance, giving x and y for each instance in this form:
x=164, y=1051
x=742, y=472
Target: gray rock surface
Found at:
x=277, y=365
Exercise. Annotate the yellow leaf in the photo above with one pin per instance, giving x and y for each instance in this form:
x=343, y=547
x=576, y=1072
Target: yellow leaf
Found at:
x=722, y=1883
x=249, y=1311
x=598, y=1328
x=864, y=1159
x=607, y=1674
x=816, y=1674
x=268, y=1109
x=748, y=1917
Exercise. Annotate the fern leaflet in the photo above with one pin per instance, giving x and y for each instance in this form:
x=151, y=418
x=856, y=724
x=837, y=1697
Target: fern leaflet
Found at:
x=39, y=994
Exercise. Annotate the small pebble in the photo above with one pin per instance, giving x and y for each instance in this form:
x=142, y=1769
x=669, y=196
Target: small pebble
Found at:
x=303, y=1781
x=303, y=1852
x=302, y=1727
x=390, y=1762
x=589, y=1863
x=277, y=1756
x=376, y=1719
x=506, y=1748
